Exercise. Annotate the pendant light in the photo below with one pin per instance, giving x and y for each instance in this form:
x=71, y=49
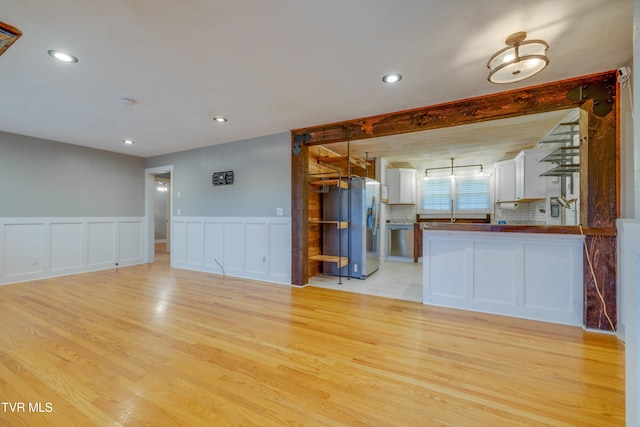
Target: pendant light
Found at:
x=519, y=60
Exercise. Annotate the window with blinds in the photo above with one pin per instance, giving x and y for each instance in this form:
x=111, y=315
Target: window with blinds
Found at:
x=437, y=194
x=468, y=194
x=473, y=194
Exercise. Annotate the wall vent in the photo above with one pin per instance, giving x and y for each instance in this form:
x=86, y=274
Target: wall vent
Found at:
x=8, y=35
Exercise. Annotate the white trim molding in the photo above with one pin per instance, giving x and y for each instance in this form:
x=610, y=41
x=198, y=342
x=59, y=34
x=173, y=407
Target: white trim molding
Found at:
x=38, y=248
x=629, y=315
x=256, y=248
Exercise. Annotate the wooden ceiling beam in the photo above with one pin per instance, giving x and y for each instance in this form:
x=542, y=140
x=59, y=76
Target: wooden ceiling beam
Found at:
x=518, y=102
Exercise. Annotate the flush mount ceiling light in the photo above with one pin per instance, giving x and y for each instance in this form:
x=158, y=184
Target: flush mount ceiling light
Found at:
x=220, y=119
x=127, y=101
x=519, y=60
x=392, y=78
x=128, y=141
x=62, y=56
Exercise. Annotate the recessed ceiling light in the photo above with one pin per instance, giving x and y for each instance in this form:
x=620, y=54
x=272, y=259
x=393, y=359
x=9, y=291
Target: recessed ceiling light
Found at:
x=392, y=78
x=128, y=141
x=220, y=119
x=62, y=56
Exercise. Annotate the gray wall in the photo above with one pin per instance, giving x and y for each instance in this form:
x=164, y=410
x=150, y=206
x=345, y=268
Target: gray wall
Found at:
x=42, y=178
x=262, y=169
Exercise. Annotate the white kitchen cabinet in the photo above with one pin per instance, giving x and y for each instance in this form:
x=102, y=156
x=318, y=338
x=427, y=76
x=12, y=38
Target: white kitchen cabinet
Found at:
x=529, y=184
x=402, y=186
x=505, y=180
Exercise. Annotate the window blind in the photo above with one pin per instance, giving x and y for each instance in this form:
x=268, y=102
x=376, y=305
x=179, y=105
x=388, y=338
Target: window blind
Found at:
x=436, y=194
x=470, y=194
x=473, y=193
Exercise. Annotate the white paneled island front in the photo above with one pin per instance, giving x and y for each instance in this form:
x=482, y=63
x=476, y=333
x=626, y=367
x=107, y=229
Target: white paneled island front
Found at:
x=535, y=276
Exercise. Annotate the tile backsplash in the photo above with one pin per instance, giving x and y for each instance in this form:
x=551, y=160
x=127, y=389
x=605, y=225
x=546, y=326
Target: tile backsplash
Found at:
x=401, y=213
x=533, y=213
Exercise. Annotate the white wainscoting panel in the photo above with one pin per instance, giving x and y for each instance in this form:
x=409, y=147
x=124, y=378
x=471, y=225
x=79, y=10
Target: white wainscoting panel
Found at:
x=67, y=246
x=233, y=246
x=213, y=250
x=257, y=247
x=547, y=266
x=101, y=244
x=37, y=248
x=532, y=276
x=195, y=242
x=131, y=248
x=280, y=251
x=24, y=249
x=178, y=242
x=448, y=278
x=251, y=247
x=496, y=269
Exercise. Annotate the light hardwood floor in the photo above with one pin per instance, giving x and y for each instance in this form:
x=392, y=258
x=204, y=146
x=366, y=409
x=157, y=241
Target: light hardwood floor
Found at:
x=148, y=345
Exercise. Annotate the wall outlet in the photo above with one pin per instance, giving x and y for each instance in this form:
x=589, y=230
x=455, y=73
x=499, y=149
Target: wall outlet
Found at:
x=279, y=211
x=35, y=260
x=179, y=213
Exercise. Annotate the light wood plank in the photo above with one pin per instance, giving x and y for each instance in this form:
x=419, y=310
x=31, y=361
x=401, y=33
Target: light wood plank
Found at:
x=322, y=182
x=339, y=224
x=344, y=160
x=151, y=345
x=342, y=261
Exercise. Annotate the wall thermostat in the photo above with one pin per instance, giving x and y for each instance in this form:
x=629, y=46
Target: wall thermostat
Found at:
x=222, y=178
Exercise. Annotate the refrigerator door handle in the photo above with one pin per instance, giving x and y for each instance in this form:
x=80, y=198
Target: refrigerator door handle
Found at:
x=375, y=215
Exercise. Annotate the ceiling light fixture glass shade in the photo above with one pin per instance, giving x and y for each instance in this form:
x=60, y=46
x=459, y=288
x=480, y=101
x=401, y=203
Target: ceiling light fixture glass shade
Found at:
x=392, y=78
x=62, y=56
x=519, y=60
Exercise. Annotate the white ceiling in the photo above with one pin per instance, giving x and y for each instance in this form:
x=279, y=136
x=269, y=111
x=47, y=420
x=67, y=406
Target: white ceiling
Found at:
x=484, y=142
x=271, y=66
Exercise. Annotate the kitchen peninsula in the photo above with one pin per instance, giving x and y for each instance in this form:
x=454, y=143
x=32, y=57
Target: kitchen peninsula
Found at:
x=532, y=272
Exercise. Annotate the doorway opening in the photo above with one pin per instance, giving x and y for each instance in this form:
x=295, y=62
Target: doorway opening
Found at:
x=158, y=212
x=161, y=213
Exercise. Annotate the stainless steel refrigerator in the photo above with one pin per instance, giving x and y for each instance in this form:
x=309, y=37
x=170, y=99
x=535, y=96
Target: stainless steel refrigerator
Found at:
x=360, y=242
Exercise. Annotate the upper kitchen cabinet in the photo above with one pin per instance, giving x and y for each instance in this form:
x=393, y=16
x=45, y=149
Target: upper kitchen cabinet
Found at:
x=505, y=180
x=530, y=185
x=520, y=179
x=402, y=186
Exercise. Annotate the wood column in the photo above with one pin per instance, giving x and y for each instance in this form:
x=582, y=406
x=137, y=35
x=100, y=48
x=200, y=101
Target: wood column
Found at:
x=599, y=189
x=299, y=213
